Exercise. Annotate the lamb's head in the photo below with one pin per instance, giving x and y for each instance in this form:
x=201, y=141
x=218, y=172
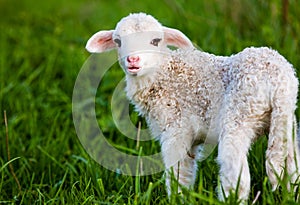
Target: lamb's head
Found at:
x=141, y=42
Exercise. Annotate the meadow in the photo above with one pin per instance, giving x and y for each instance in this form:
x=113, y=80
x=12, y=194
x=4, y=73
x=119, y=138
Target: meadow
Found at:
x=42, y=50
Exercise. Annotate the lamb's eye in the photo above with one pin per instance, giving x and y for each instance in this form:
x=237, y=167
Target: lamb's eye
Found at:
x=155, y=41
x=118, y=42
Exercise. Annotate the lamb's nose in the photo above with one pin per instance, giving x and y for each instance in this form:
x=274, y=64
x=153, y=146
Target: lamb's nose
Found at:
x=133, y=59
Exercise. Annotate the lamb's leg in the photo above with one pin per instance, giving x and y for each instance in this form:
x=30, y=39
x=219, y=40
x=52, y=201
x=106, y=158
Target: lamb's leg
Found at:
x=293, y=158
x=282, y=148
x=180, y=160
x=232, y=157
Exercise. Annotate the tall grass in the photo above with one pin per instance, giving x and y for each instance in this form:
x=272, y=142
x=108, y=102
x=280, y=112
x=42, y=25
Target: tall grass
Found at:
x=41, y=52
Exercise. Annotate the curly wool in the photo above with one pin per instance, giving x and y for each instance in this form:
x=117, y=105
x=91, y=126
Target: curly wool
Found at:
x=208, y=95
x=195, y=82
x=137, y=23
x=178, y=91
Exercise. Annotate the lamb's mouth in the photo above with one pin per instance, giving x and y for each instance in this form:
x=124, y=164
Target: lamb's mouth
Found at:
x=133, y=69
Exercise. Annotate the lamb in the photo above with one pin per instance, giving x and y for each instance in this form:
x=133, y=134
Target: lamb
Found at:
x=189, y=97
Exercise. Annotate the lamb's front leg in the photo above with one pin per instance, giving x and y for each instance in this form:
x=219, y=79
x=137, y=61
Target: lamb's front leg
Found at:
x=232, y=157
x=179, y=158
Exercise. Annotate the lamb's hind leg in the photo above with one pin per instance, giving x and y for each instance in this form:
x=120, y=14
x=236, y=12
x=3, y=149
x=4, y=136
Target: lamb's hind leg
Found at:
x=293, y=158
x=282, y=148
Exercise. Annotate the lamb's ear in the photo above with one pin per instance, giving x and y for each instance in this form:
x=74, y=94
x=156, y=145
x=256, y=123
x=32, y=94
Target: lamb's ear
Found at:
x=100, y=42
x=176, y=38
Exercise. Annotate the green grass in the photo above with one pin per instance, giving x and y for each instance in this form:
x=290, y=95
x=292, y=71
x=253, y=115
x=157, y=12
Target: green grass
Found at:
x=41, y=53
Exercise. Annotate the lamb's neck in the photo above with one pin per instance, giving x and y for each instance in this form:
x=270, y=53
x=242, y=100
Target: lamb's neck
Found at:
x=135, y=84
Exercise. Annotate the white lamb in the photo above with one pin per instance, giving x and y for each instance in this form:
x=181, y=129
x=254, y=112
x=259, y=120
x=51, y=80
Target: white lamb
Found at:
x=188, y=96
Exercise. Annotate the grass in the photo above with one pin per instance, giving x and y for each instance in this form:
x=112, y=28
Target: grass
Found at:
x=41, y=53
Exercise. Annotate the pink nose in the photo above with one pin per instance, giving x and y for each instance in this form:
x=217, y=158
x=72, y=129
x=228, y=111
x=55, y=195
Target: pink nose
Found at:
x=133, y=59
